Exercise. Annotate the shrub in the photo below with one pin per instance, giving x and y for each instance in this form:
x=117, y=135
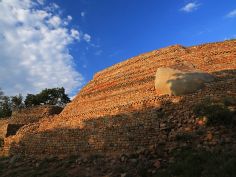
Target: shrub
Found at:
x=184, y=136
x=229, y=101
x=195, y=163
x=217, y=113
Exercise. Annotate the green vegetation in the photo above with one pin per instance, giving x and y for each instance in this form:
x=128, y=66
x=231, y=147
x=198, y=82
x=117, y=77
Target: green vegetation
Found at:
x=54, y=96
x=24, y=167
x=216, y=111
x=185, y=162
x=17, y=102
x=5, y=106
x=185, y=136
x=229, y=101
x=200, y=163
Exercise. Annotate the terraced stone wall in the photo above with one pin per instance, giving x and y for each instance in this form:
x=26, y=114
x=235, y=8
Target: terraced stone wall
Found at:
x=120, y=110
x=169, y=123
x=128, y=84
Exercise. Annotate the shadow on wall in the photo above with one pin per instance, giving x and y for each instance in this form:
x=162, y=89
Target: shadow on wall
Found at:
x=124, y=132
x=12, y=129
x=129, y=132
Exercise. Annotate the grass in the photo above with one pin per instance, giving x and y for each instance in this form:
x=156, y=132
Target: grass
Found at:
x=47, y=168
x=187, y=163
x=216, y=111
x=184, y=137
x=200, y=163
x=229, y=101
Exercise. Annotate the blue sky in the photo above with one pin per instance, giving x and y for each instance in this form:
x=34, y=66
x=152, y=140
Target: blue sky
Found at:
x=109, y=31
x=124, y=28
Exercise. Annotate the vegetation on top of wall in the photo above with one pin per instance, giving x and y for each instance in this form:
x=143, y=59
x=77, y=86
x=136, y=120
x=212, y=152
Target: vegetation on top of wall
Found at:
x=5, y=105
x=53, y=96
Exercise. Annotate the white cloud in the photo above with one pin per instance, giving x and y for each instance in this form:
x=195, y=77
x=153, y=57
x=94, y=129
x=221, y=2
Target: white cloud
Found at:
x=82, y=14
x=69, y=18
x=75, y=34
x=190, y=7
x=34, y=48
x=55, y=21
x=41, y=2
x=87, y=37
x=52, y=7
x=231, y=14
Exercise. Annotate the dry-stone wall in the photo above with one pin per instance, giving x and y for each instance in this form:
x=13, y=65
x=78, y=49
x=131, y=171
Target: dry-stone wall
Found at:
x=120, y=110
x=3, y=127
x=10, y=126
x=34, y=114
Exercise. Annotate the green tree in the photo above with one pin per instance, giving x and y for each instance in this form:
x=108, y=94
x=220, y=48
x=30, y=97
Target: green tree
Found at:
x=31, y=100
x=53, y=96
x=5, y=107
x=17, y=102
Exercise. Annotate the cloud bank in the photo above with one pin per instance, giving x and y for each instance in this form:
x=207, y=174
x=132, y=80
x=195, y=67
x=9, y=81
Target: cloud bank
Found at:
x=34, y=48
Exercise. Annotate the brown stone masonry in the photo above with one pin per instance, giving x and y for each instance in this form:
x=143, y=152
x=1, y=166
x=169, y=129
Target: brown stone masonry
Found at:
x=9, y=126
x=120, y=110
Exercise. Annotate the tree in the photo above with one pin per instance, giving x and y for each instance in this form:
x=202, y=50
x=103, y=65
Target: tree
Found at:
x=54, y=96
x=5, y=107
x=31, y=100
x=17, y=102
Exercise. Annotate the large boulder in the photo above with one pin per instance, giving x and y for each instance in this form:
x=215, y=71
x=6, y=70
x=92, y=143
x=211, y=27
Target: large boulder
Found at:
x=170, y=81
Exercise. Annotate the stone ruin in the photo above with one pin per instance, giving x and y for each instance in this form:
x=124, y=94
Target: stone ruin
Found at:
x=120, y=110
x=25, y=116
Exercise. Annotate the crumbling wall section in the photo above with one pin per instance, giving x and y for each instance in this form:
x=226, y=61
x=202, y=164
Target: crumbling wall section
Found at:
x=3, y=127
x=34, y=114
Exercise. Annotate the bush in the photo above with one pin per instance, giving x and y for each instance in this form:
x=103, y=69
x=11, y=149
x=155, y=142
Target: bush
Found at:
x=229, y=101
x=195, y=163
x=184, y=137
x=217, y=113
